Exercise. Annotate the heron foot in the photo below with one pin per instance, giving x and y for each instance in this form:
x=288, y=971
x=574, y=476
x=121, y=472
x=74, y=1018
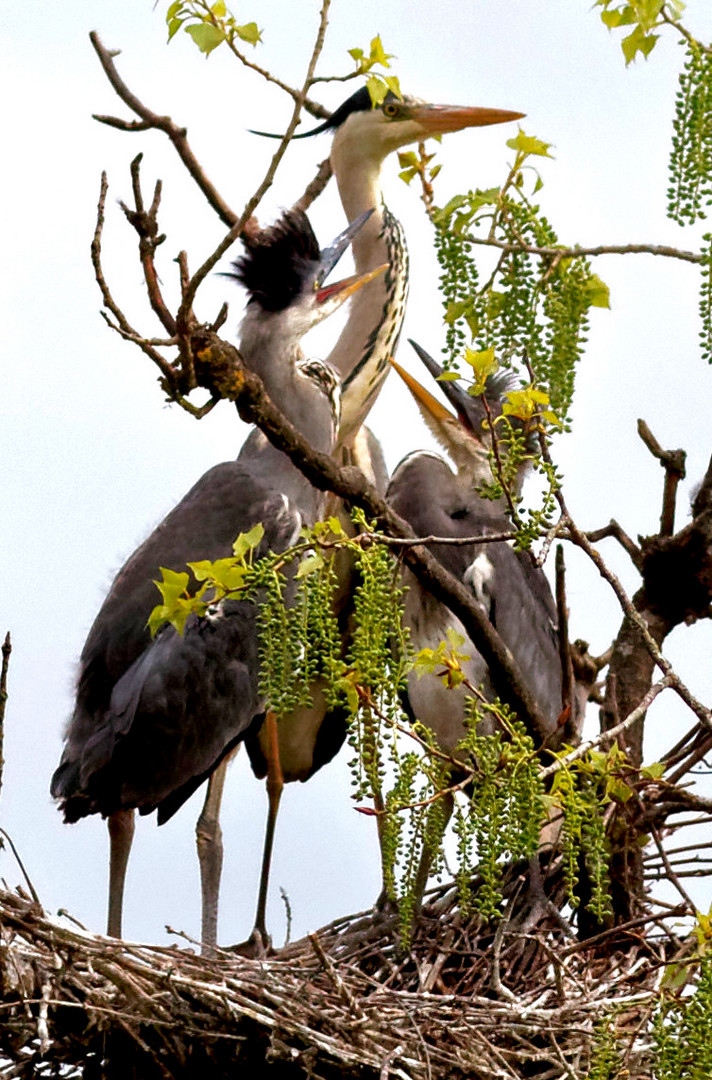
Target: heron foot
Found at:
x=257, y=947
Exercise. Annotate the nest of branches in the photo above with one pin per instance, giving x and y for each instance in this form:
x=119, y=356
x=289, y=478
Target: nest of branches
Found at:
x=522, y=998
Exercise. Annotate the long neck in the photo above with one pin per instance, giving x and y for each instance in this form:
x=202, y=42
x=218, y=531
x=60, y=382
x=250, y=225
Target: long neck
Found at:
x=376, y=315
x=278, y=360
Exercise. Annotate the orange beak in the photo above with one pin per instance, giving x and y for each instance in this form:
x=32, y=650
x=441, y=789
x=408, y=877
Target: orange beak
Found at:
x=439, y=119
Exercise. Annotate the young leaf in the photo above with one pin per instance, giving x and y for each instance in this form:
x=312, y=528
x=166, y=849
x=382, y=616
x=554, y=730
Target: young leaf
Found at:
x=206, y=36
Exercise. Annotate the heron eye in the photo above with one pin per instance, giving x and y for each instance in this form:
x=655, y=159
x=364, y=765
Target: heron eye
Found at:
x=390, y=109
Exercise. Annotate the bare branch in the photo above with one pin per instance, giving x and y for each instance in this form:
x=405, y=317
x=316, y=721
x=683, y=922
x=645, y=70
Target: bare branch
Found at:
x=614, y=529
x=149, y=119
x=183, y=318
x=582, y=253
x=673, y=461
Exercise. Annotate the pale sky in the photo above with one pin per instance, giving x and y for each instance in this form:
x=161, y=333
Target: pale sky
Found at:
x=92, y=458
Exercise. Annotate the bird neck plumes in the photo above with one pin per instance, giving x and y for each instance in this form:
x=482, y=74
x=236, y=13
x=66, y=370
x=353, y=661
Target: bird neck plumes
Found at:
x=376, y=314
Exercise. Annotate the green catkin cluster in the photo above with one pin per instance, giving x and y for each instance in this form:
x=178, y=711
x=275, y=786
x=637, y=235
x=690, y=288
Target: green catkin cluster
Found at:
x=458, y=284
x=583, y=834
x=282, y=681
x=377, y=657
x=681, y=1032
x=506, y=805
x=706, y=300
x=531, y=304
x=606, y=1061
x=690, y=188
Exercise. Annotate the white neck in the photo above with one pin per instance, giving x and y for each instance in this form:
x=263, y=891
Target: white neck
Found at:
x=377, y=311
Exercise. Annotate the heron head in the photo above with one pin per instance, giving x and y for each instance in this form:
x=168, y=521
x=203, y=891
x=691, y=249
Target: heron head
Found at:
x=367, y=131
x=283, y=270
x=465, y=435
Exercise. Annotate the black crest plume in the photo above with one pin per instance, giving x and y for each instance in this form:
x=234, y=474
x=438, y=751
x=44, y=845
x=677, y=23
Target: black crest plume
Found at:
x=358, y=102
x=278, y=262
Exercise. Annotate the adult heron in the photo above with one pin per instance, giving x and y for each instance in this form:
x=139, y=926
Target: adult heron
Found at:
x=154, y=719
x=363, y=137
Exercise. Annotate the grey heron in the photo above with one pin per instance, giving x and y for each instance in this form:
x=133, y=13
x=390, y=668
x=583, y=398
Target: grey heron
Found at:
x=363, y=137
x=154, y=719
x=513, y=592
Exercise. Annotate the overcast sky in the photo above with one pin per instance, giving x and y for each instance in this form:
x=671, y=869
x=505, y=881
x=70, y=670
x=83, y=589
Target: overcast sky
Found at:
x=91, y=457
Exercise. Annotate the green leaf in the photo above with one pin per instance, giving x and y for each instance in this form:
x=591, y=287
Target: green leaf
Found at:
x=377, y=90
x=638, y=42
x=206, y=36
x=309, y=564
x=449, y=376
x=174, y=26
x=175, y=9
x=483, y=363
x=597, y=292
x=356, y=54
x=249, y=32
x=393, y=85
x=246, y=541
x=172, y=586
x=219, y=10
x=529, y=144
x=619, y=790
x=378, y=54
x=654, y=771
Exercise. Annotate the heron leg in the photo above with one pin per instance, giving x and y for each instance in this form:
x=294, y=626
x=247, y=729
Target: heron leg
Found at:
x=275, y=784
x=208, y=838
x=121, y=831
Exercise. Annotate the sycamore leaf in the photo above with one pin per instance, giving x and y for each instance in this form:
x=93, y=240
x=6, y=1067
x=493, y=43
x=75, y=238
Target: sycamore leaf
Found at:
x=529, y=144
x=654, y=771
x=408, y=159
x=624, y=17
x=219, y=10
x=449, y=376
x=206, y=36
x=524, y=403
x=250, y=33
x=176, y=8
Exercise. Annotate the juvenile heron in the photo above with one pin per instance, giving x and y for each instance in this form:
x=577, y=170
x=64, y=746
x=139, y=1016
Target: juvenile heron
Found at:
x=154, y=719
x=512, y=591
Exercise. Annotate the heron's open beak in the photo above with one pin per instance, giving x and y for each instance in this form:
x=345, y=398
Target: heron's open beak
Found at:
x=342, y=290
x=439, y=119
x=426, y=401
x=460, y=401
x=330, y=255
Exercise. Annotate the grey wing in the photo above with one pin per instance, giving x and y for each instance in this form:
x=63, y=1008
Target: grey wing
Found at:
x=181, y=704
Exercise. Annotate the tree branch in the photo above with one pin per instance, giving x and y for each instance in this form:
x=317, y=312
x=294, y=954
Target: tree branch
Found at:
x=149, y=120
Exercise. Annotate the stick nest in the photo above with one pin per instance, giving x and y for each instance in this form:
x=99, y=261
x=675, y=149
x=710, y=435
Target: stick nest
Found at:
x=520, y=999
